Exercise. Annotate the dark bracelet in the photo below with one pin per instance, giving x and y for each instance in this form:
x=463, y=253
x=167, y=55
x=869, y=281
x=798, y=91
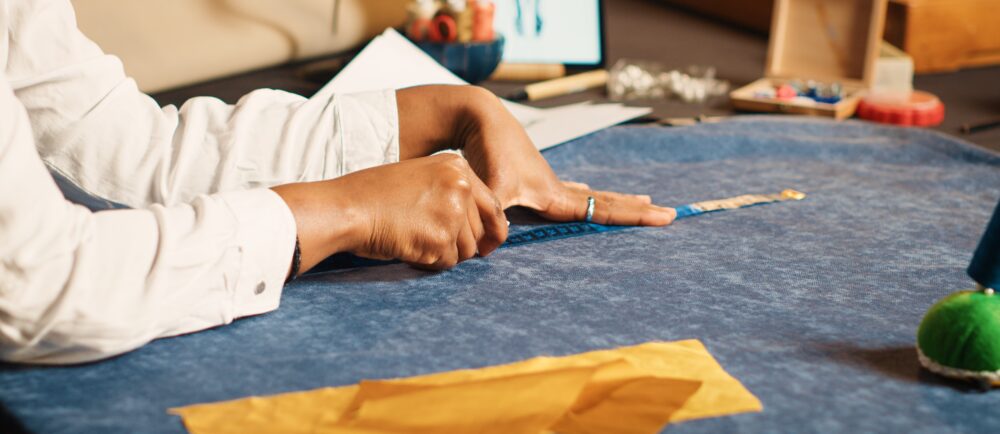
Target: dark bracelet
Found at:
x=296, y=261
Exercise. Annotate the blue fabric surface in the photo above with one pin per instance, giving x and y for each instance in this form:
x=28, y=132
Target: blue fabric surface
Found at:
x=813, y=304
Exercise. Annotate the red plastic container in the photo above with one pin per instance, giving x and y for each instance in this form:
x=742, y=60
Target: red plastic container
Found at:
x=922, y=110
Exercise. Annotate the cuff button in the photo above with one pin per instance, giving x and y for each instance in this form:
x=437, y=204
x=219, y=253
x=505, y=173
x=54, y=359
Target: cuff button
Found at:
x=260, y=288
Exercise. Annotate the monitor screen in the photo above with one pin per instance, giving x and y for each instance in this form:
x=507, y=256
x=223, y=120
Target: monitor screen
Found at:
x=550, y=31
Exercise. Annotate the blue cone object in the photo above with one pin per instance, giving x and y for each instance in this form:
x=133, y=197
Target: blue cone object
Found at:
x=985, y=265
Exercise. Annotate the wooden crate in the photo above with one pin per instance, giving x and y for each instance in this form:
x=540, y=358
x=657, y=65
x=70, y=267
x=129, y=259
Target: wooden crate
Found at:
x=945, y=35
x=940, y=35
x=821, y=40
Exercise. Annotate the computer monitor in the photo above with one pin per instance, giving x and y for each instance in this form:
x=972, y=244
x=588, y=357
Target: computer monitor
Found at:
x=570, y=32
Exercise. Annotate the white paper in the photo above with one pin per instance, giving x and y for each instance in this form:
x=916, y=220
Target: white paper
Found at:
x=562, y=124
x=390, y=61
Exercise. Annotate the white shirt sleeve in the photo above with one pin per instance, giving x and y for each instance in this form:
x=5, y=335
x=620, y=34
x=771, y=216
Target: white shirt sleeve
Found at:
x=91, y=122
x=77, y=286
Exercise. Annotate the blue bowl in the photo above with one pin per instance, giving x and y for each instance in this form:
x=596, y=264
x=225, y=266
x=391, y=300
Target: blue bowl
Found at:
x=472, y=61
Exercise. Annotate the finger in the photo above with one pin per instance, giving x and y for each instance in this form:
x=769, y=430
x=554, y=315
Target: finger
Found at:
x=644, y=198
x=641, y=198
x=466, y=244
x=491, y=215
x=475, y=221
x=448, y=259
x=576, y=185
x=609, y=208
x=567, y=204
x=617, y=209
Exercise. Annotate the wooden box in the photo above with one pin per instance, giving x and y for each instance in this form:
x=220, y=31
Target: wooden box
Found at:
x=819, y=40
x=945, y=35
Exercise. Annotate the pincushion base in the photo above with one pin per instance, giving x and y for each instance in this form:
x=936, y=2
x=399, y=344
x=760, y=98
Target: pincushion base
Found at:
x=959, y=337
x=990, y=377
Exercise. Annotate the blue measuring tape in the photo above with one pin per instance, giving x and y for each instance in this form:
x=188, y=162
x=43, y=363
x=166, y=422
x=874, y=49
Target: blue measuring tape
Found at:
x=576, y=229
x=569, y=230
x=534, y=235
x=557, y=232
x=563, y=231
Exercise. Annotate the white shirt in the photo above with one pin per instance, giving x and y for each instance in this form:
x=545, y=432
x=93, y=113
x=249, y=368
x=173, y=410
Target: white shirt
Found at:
x=208, y=242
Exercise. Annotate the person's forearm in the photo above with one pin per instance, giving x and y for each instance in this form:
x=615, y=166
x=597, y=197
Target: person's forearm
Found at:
x=324, y=219
x=435, y=118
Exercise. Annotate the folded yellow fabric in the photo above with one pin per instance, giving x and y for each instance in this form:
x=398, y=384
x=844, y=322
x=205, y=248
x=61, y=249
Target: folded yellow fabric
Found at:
x=636, y=389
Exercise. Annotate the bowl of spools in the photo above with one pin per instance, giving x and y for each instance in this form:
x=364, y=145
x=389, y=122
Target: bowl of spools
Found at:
x=458, y=35
x=472, y=61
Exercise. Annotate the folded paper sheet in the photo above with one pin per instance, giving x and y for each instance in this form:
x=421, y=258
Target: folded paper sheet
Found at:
x=635, y=389
x=390, y=61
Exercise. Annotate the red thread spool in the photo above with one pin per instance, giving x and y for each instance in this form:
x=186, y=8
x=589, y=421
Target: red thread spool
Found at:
x=419, y=29
x=443, y=29
x=786, y=92
x=482, y=21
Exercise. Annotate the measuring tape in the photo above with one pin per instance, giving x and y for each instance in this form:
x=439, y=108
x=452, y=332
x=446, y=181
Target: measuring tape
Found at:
x=563, y=231
x=557, y=232
x=576, y=229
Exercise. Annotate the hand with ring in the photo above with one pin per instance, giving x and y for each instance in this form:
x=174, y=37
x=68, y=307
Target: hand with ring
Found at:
x=500, y=152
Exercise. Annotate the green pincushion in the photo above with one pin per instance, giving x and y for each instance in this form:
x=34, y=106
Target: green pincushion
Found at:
x=960, y=336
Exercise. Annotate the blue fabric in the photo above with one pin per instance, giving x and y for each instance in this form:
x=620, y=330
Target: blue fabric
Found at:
x=813, y=304
x=76, y=194
x=985, y=265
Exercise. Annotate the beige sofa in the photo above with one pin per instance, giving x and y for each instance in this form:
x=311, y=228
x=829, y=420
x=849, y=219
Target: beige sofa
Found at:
x=170, y=43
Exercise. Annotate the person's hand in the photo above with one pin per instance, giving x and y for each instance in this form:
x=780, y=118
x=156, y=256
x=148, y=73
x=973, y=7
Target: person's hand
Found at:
x=432, y=118
x=430, y=212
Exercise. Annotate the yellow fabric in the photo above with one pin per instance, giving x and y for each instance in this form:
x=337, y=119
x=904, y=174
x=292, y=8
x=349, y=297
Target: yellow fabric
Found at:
x=636, y=389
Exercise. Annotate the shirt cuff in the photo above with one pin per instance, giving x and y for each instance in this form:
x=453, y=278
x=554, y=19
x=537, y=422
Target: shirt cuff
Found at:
x=366, y=132
x=265, y=234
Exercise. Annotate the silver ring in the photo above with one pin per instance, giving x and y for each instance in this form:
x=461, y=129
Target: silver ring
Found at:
x=590, y=209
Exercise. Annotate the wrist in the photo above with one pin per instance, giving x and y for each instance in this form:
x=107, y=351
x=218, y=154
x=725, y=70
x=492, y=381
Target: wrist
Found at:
x=435, y=118
x=478, y=112
x=324, y=219
x=492, y=139
x=347, y=229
